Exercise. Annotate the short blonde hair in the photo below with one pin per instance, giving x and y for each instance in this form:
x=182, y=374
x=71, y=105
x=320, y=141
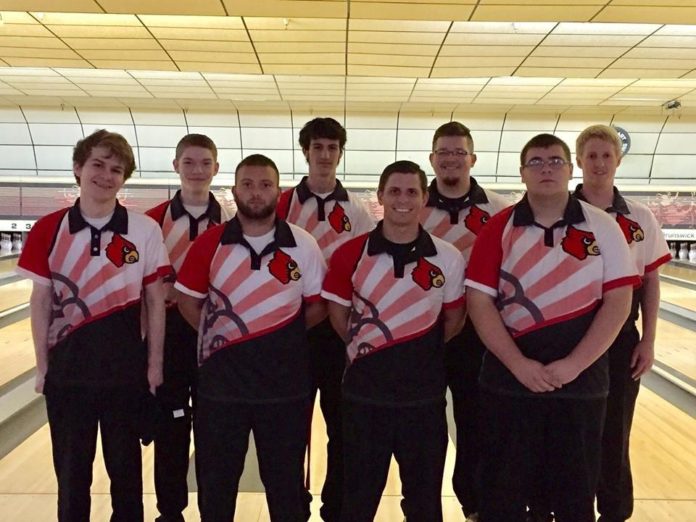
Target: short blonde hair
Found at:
x=601, y=132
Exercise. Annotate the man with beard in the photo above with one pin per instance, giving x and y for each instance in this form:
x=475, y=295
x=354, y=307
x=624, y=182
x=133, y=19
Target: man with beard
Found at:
x=456, y=210
x=320, y=205
x=259, y=279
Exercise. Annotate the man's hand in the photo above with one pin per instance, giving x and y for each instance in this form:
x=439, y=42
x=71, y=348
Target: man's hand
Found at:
x=154, y=378
x=562, y=372
x=39, y=381
x=533, y=375
x=642, y=359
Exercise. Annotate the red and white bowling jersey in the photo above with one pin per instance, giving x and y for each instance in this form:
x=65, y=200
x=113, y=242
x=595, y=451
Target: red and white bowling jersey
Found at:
x=97, y=277
x=332, y=220
x=647, y=244
x=93, y=273
x=388, y=308
x=180, y=228
x=541, y=276
x=249, y=295
x=459, y=221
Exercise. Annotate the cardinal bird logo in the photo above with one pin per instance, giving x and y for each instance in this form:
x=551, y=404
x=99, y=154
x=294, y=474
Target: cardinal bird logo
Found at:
x=339, y=220
x=579, y=243
x=121, y=251
x=427, y=276
x=283, y=267
x=632, y=230
x=476, y=218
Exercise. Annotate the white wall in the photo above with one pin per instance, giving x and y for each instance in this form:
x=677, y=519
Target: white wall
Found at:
x=38, y=141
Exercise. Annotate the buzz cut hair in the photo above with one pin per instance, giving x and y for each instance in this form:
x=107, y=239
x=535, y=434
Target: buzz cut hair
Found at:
x=454, y=128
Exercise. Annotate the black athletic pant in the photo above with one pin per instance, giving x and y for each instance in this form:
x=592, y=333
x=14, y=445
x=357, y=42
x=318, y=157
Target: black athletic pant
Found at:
x=327, y=355
x=416, y=436
x=464, y=354
x=221, y=431
x=562, y=434
x=74, y=413
x=615, y=490
x=174, y=432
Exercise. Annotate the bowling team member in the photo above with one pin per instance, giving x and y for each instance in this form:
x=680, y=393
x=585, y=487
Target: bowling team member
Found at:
x=91, y=265
x=191, y=211
x=251, y=286
x=631, y=355
x=549, y=286
x=320, y=205
x=456, y=210
x=395, y=295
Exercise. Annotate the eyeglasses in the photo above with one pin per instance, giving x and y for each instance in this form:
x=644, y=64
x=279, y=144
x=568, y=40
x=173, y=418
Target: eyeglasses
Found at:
x=458, y=153
x=553, y=163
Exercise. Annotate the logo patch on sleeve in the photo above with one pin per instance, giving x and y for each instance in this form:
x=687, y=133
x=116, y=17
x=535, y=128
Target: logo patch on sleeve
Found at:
x=338, y=219
x=427, y=276
x=632, y=230
x=283, y=267
x=579, y=243
x=476, y=218
x=121, y=251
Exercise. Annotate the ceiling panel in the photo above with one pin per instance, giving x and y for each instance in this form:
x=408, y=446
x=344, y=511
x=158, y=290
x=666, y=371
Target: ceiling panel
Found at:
x=400, y=51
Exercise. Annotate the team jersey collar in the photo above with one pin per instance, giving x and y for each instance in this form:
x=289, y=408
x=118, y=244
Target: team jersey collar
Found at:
x=618, y=204
x=282, y=237
x=423, y=246
x=524, y=216
x=117, y=224
x=475, y=195
x=452, y=206
x=303, y=193
x=213, y=212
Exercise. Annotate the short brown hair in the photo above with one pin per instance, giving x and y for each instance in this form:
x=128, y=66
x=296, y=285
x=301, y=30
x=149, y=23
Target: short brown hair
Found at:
x=454, y=128
x=601, y=132
x=196, y=140
x=257, y=160
x=544, y=141
x=319, y=128
x=403, y=167
x=117, y=145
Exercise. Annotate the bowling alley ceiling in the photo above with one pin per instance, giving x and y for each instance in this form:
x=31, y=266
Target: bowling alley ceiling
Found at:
x=372, y=55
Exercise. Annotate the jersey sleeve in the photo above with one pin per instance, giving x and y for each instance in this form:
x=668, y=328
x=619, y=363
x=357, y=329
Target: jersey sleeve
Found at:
x=194, y=276
x=619, y=268
x=657, y=250
x=363, y=220
x=314, y=271
x=338, y=283
x=33, y=261
x=157, y=260
x=483, y=270
x=454, y=281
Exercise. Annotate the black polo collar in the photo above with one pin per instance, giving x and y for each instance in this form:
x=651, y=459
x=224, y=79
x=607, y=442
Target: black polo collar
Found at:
x=117, y=224
x=213, y=212
x=282, y=237
x=303, y=193
x=476, y=195
x=618, y=204
x=423, y=246
x=524, y=217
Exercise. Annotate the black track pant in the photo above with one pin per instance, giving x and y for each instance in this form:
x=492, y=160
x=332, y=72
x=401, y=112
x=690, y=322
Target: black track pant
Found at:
x=221, y=431
x=561, y=435
x=74, y=414
x=416, y=436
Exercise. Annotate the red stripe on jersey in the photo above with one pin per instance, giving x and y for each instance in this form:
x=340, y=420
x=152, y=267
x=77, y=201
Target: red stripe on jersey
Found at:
x=157, y=213
x=113, y=298
x=634, y=281
x=559, y=319
x=64, y=244
x=552, y=279
x=487, y=254
x=34, y=256
x=657, y=263
x=193, y=273
x=284, y=204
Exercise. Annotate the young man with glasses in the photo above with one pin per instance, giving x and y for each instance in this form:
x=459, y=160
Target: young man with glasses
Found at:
x=456, y=209
x=549, y=287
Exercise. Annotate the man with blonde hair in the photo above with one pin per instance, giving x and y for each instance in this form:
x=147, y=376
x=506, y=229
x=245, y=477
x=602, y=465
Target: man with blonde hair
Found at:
x=598, y=151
